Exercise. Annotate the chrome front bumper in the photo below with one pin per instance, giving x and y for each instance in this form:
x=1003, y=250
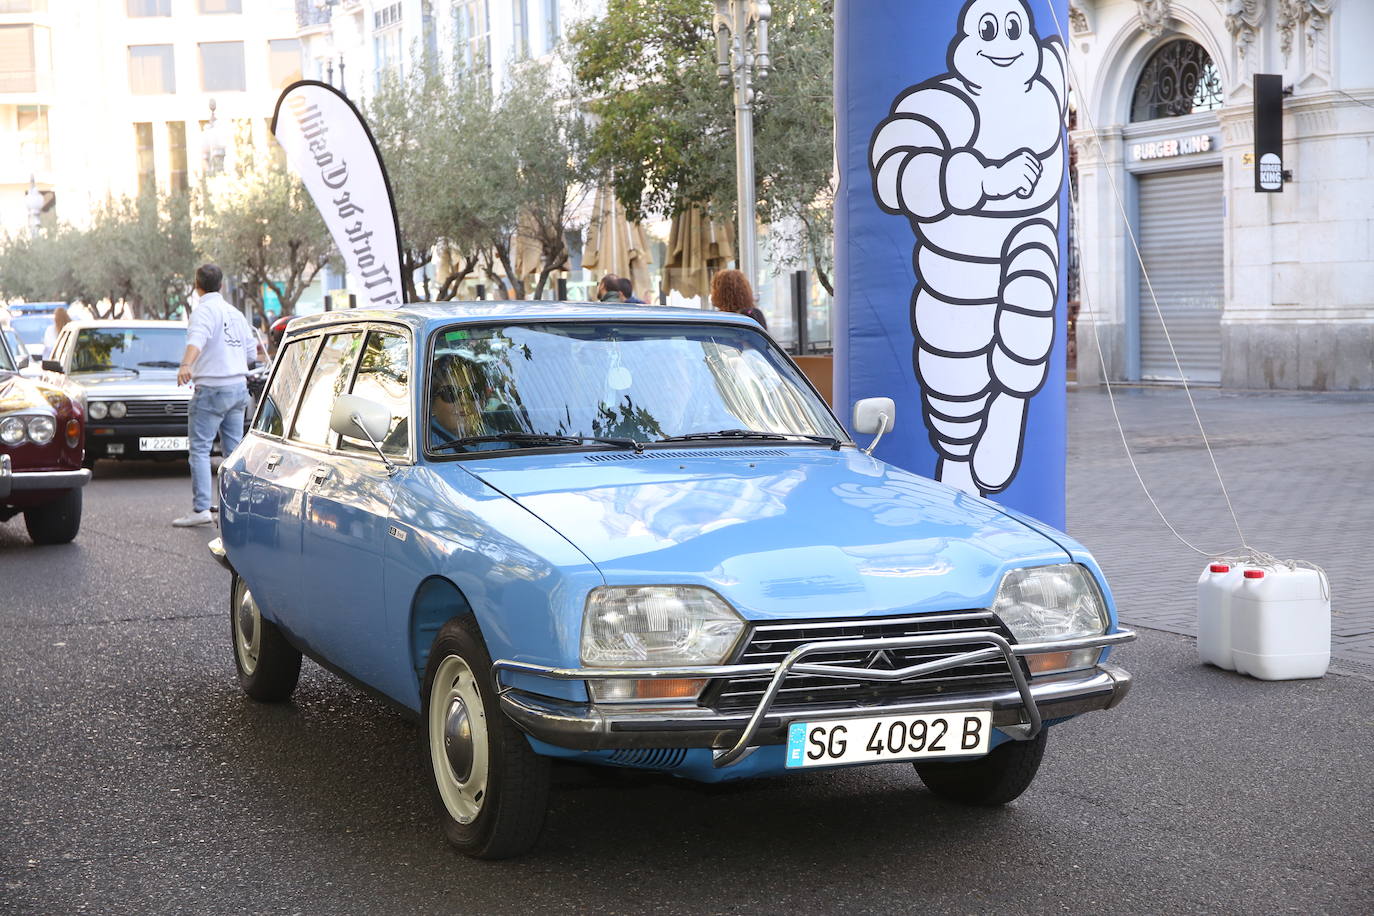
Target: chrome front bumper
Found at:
x=12, y=481
x=1020, y=713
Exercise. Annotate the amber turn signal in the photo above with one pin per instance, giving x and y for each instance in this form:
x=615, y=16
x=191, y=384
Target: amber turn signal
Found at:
x=1049, y=661
x=73, y=433
x=681, y=688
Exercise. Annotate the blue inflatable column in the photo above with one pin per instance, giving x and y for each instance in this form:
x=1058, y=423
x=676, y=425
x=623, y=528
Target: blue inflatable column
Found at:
x=950, y=235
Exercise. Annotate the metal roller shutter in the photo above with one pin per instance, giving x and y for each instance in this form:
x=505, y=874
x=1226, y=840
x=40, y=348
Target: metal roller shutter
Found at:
x=1180, y=233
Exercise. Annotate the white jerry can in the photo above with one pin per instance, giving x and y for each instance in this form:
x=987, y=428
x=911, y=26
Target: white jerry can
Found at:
x=1214, y=614
x=1281, y=623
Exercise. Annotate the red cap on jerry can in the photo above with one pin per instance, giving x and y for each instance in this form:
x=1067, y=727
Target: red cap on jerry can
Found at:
x=1254, y=574
x=1219, y=567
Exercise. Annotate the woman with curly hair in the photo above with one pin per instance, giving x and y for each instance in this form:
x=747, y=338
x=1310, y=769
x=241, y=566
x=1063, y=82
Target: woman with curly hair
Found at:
x=730, y=292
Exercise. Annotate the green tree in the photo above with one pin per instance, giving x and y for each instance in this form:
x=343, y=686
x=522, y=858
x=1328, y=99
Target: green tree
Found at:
x=261, y=227
x=664, y=134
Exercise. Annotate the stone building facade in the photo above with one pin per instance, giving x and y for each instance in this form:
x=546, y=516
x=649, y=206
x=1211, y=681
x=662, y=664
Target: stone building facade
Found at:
x=1258, y=290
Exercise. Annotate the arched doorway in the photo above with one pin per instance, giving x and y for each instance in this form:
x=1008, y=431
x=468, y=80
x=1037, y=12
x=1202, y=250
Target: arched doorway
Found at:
x=1173, y=154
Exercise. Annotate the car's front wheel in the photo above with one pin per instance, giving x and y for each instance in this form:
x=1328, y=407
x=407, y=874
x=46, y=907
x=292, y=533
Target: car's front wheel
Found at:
x=268, y=666
x=490, y=788
x=56, y=522
x=996, y=779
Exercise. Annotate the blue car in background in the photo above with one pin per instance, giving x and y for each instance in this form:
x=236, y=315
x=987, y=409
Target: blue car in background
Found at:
x=637, y=537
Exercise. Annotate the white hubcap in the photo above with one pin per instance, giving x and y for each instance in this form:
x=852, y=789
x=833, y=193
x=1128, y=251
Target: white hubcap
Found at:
x=247, y=630
x=458, y=739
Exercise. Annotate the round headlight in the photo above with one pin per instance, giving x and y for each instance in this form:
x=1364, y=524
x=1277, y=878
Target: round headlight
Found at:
x=98, y=409
x=1048, y=603
x=12, y=431
x=42, y=429
x=117, y=410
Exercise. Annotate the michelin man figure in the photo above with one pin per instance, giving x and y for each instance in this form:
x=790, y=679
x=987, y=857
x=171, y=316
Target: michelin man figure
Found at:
x=974, y=158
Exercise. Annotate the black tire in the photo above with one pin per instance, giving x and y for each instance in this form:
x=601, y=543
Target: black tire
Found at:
x=268, y=666
x=56, y=522
x=992, y=780
x=499, y=813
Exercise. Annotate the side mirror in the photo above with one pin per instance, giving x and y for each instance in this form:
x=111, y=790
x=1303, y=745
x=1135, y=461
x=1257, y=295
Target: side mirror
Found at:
x=349, y=409
x=874, y=415
x=52, y=365
x=21, y=361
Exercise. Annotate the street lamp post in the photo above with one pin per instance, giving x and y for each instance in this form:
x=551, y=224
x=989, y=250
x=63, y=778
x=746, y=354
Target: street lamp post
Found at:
x=741, y=29
x=212, y=144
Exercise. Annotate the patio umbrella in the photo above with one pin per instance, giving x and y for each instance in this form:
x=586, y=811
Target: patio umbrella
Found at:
x=696, y=247
x=614, y=244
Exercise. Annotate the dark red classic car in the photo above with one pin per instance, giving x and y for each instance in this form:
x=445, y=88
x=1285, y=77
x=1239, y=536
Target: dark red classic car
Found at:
x=42, y=441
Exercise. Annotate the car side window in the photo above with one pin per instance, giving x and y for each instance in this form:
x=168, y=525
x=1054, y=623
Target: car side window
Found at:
x=328, y=380
x=384, y=376
x=292, y=363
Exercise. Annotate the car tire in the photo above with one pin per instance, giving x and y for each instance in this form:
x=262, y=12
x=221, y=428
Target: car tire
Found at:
x=996, y=779
x=490, y=788
x=56, y=522
x=268, y=666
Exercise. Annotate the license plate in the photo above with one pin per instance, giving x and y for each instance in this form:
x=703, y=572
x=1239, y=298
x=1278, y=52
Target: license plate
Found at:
x=164, y=444
x=888, y=738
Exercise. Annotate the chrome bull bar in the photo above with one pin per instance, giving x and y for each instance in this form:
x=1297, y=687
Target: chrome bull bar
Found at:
x=994, y=646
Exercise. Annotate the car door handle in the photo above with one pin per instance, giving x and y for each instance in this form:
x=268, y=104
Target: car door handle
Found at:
x=321, y=473
x=273, y=460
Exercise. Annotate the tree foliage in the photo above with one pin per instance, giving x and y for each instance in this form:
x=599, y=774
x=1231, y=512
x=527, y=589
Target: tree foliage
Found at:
x=665, y=135
x=261, y=227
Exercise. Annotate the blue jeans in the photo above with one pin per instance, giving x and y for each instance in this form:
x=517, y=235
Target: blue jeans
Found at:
x=213, y=410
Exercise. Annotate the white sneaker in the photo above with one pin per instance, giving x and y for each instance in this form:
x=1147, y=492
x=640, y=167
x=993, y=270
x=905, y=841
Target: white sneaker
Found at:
x=192, y=519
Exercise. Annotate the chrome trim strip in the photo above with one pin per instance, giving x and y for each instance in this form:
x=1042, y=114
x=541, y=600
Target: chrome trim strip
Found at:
x=1113, y=681
x=870, y=621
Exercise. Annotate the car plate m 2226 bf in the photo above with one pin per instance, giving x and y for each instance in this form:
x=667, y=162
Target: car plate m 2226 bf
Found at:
x=886, y=739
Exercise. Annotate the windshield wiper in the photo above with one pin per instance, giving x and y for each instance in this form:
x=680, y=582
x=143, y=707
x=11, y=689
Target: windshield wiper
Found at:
x=538, y=439
x=161, y=364
x=107, y=367
x=752, y=434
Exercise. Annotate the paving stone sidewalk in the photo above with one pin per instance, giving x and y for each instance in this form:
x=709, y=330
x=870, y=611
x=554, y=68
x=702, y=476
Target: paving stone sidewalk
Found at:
x=1298, y=467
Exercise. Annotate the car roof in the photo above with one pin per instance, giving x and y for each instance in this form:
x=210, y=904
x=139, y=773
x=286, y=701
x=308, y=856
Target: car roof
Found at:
x=429, y=315
x=122, y=323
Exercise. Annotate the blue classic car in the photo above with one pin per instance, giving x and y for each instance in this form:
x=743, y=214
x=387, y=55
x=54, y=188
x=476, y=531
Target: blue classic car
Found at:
x=637, y=537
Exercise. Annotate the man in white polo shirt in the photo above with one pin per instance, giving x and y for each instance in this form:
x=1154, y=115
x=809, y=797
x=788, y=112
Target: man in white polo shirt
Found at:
x=220, y=347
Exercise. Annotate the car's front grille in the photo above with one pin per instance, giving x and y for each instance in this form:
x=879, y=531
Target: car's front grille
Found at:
x=772, y=643
x=154, y=410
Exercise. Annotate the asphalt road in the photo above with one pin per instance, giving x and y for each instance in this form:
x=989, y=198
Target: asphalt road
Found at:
x=136, y=778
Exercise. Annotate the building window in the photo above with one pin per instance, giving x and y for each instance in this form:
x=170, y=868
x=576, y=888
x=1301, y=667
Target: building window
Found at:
x=139, y=9
x=143, y=145
x=520, y=26
x=1178, y=79
x=550, y=25
x=34, y=148
x=284, y=61
x=17, y=70
x=176, y=146
x=211, y=7
x=472, y=35
x=151, y=70
x=387, y=48
x=221, y=66
x=386, y=17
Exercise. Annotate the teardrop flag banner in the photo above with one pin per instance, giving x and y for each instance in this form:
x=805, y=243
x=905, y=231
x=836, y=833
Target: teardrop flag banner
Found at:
x=328, y=144
x=951, y=238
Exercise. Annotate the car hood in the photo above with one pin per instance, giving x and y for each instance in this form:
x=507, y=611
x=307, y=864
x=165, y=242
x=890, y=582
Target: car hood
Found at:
x=780, y=532
x=20, y=393
x=149, y=383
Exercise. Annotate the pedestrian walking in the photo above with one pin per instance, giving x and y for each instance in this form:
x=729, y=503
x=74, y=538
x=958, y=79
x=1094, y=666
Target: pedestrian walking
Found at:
x=220, y=348
x=627, y=290
x=730, y=292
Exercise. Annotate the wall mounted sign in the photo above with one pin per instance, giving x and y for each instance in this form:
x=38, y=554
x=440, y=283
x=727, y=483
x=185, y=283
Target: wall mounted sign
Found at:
x=1269, y=132
x=1167, y=149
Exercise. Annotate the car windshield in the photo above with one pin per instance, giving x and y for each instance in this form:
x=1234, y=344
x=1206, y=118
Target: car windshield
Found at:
x=136, y=349
x=30, y=328
x=6, y=363
x=634, y=382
